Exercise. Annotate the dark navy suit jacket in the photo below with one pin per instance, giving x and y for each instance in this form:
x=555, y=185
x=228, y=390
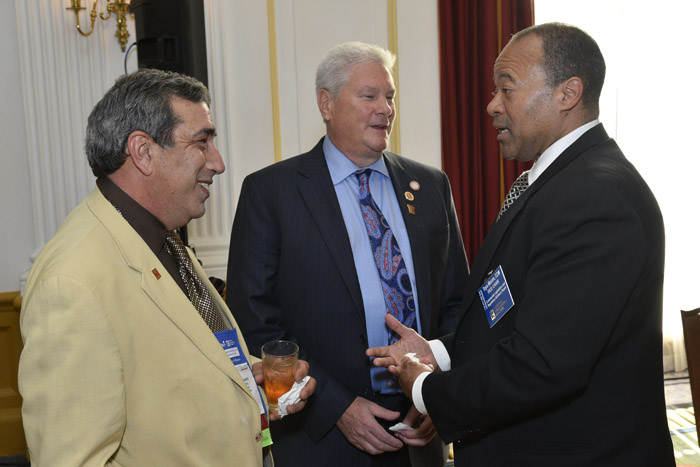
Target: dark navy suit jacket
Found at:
x=291, y=275
x=572, y=375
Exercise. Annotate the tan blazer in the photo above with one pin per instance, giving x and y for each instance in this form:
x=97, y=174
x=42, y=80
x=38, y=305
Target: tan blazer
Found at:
x=118, y=368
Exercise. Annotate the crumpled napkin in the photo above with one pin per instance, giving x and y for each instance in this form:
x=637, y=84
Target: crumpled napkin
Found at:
x=412, y=356
x=290, y=397
x=400, y=427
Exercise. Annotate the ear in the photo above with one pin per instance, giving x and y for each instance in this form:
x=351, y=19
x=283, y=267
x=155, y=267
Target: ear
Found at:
x=138, y=147
x=325, y=104
x=571, y=93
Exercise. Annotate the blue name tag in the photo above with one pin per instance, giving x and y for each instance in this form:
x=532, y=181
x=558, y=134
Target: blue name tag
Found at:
x=495, y=296
x=229, y=341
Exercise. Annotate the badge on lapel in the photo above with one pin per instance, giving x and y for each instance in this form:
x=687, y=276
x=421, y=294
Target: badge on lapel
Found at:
x=495, y=296
x=415, y=186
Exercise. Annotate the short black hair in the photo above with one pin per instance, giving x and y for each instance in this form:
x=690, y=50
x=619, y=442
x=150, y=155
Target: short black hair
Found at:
x=568, y=51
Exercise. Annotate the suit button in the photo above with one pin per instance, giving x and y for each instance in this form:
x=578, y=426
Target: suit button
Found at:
x=258, y=437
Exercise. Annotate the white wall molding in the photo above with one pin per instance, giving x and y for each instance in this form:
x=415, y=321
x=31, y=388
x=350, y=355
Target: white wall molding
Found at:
x=62, y=75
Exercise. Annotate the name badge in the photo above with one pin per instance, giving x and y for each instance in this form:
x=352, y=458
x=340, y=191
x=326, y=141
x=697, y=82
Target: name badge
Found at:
x=229, y=341
x=496, y=297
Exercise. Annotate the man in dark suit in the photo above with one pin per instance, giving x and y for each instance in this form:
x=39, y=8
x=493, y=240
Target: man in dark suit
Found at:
x=302, y=266
x=557, y=360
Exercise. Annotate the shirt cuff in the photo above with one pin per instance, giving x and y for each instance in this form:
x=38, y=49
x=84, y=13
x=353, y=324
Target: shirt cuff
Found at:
x=442, y=357
x=417, y=393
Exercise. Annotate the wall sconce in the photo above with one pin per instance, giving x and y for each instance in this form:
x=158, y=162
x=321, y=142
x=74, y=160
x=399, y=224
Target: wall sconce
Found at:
x=120, y=8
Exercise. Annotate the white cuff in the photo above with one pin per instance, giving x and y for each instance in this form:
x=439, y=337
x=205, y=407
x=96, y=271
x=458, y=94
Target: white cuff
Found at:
x=417, y=393
x=442, y=357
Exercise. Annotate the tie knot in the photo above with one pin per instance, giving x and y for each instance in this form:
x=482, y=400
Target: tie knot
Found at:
x=177, y=247
x=519, y=186
x=363, y=179
x=523, y=179
x=363, y=175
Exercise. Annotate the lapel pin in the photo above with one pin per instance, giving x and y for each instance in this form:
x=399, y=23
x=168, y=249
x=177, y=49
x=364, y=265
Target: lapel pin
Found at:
x=409, y=196
x=155, y=273
x=411, y=209
x=415, y=186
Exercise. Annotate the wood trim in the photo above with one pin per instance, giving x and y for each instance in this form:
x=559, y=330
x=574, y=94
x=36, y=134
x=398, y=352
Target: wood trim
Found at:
x=10, y=301
x=12, y=440
x=274, y=79
x=499, y=32
x=393, y=40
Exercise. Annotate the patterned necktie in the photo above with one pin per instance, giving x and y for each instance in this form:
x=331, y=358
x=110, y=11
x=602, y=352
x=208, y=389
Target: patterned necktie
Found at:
x=519, y=186
x=196, y=290
x=396, y=284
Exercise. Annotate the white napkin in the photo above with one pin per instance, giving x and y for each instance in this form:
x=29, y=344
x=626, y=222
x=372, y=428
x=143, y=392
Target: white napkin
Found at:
x=412, y=356
x=290, y=397
x=400, y=427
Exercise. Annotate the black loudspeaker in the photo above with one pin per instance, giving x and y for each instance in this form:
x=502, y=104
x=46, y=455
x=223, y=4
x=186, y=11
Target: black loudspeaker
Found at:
x=170, y=35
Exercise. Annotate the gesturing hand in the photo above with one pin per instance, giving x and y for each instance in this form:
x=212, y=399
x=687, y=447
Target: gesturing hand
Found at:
x=410, y=342
x=360, y=427
x=407, y=372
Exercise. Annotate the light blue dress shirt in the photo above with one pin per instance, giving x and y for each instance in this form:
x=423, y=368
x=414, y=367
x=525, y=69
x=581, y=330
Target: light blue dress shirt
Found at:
x=347, y=188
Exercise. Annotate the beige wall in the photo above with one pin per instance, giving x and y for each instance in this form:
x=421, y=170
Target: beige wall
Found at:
x=51, y=78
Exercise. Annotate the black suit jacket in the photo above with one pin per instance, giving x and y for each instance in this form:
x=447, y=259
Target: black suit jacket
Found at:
x=572, y=375
x=291, y=275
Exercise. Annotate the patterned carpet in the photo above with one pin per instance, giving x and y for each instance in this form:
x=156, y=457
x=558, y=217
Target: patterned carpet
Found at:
x=681, y=424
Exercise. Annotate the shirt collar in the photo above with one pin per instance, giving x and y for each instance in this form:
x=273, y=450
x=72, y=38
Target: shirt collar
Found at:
x=551, y=153
x=340, y=167
x=149, y=228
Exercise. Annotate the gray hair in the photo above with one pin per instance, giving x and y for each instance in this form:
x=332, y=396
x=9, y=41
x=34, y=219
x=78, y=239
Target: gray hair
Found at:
x=137, y=101
x=334, y=70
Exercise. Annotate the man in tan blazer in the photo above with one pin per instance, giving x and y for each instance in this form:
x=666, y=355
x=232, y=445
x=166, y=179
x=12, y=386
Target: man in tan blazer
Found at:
x=118, y=366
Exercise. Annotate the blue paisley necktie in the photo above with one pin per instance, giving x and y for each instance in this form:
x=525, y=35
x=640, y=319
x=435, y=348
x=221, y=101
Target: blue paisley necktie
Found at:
x=396, y=284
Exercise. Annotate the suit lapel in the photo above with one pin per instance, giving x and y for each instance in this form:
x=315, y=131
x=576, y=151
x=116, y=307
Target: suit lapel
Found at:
x=401, y=177
x=220, y=305
x=317, y=191
x=483, y=260
x=164, y=291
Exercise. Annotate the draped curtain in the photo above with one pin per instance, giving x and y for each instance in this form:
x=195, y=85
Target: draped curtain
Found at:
x=472, y=34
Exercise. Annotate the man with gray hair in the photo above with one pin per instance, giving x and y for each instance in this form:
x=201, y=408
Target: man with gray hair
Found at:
x=126, y=342
x=324, y=245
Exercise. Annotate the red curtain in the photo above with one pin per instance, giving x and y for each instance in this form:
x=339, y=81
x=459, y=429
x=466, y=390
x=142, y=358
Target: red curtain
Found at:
x=472, y=34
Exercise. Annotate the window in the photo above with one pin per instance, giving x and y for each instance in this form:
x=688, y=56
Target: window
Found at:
x=650, y=106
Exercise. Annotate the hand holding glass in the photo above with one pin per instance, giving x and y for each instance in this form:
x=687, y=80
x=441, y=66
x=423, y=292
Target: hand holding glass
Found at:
x=280, y=361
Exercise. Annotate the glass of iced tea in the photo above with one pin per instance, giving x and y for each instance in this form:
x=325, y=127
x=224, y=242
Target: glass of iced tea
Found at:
x=280, y=361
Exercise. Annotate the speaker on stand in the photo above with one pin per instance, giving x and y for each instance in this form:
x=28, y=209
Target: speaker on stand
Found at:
x=170, y=35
